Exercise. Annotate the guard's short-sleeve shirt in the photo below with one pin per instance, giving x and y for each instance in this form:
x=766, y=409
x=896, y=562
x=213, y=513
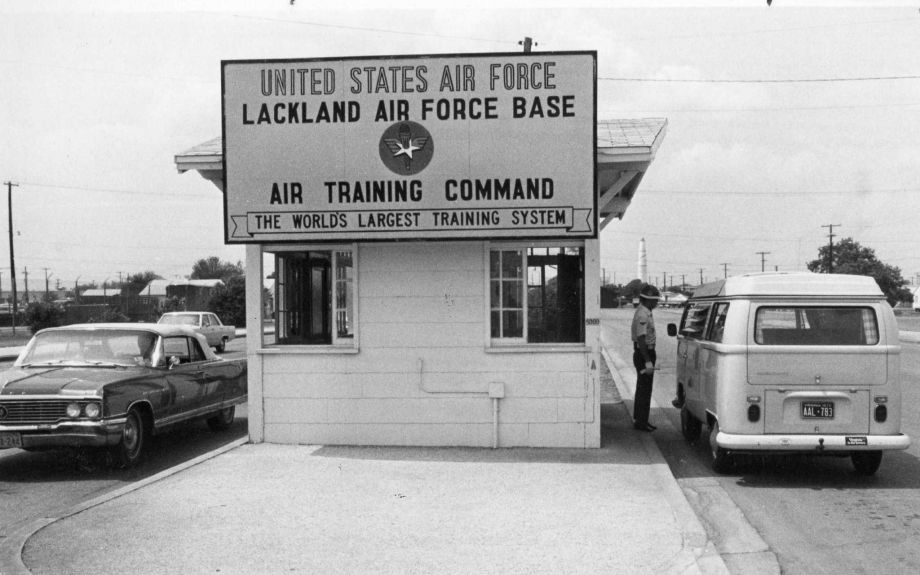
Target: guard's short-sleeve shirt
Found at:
x=643, y=324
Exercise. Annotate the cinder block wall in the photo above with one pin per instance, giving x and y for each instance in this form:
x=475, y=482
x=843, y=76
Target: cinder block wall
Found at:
x=423, y=369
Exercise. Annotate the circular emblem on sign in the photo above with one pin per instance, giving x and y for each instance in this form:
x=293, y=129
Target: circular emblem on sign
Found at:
x=406, y=148
x=3, y=412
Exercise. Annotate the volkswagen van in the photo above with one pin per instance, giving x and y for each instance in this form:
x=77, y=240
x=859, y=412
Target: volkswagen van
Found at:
x=791, y=363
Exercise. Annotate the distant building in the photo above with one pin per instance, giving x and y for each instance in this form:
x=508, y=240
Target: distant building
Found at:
x=672, y=299
x=194, y=293
x=95, y=296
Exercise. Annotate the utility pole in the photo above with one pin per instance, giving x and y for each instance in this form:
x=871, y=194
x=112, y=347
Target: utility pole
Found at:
x=724, y=270
x=26, y=274
x=701, y=276
x=830, y=247
x=47, y=292
x=763, y=260
x=9, y=189
x=527, y=43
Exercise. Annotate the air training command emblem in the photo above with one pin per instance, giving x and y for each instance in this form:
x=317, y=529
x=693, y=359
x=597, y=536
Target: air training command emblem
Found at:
x=406, y=148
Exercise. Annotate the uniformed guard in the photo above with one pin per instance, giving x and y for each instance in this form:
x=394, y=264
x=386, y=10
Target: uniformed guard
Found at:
x=643, y=337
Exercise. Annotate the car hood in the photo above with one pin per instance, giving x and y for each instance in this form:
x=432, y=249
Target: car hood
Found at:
x=57, y=380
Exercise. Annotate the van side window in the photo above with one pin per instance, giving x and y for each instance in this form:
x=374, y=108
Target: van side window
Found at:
x=717, y=329
x=694, y=321
x=807, y=325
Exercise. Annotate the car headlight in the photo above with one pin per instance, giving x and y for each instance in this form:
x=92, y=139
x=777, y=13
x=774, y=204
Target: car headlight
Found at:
x=92, y=410
x=73, y=410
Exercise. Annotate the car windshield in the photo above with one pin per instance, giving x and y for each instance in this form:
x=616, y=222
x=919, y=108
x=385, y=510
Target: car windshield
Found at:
x=91, y=348
x=185, y=319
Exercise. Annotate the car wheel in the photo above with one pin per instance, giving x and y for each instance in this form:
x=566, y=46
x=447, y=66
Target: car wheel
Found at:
x=221, y=346
x=690, y=426
x=867, y=462
x=223, y=420
x=130, y=447
x=721, y=460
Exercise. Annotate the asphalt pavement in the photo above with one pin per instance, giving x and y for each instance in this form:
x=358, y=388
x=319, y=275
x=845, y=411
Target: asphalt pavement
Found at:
x=267, y=508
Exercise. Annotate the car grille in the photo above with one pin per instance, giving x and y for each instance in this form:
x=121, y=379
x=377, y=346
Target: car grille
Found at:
x=34, y=411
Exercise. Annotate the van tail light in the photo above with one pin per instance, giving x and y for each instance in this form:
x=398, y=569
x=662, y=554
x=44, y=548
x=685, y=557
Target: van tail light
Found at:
x=881, y=410
x=754, y=408
x=881, y=413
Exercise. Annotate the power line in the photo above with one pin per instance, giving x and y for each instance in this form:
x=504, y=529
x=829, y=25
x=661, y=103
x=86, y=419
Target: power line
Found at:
x=374, y=30
x=780, y=193
x=761, y=80
x=120, y=191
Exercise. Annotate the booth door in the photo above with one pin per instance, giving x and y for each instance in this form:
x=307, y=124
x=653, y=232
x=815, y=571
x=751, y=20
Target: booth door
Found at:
x=305, y=298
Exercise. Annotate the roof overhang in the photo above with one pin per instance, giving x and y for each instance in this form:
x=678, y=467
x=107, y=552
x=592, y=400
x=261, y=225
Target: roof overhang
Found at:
x=625, y=150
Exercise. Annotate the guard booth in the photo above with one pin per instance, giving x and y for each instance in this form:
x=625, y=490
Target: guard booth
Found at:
x=427, y=227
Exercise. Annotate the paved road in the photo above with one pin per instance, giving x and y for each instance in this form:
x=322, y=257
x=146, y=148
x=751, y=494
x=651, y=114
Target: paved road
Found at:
x=33, y=484
x=814, y=513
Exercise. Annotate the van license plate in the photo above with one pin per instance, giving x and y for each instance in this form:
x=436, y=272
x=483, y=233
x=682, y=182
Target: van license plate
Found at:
x=10, y=439
x=818, y=409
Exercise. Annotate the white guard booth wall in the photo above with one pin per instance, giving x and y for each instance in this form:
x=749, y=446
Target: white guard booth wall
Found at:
x=418, y=323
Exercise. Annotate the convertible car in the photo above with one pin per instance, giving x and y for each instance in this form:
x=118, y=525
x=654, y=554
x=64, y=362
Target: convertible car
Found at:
x=113, y=385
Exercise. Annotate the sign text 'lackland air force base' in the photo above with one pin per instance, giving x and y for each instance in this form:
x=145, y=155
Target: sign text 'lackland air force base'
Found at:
x=410, y=147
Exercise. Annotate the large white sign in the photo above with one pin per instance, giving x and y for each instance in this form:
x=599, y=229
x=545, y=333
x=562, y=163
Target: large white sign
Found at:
x=410, y=147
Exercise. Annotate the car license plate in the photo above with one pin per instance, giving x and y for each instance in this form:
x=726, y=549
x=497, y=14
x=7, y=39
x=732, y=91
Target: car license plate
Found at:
x=818, y=409
x=10, y=439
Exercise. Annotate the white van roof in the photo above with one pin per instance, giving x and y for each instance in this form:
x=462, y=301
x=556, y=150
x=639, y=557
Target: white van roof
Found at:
x=791, y=284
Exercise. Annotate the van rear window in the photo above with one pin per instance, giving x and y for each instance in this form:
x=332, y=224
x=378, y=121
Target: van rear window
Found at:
x=814, y=325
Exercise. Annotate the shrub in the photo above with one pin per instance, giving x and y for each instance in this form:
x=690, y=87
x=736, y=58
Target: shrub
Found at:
x=109, y=315
x=40, y=315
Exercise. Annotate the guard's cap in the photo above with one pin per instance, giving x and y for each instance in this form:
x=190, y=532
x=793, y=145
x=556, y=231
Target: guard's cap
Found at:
x=649, y=291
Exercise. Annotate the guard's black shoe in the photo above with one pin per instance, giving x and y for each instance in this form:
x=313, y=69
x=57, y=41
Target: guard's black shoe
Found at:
x=677, y=402
x=644, y=427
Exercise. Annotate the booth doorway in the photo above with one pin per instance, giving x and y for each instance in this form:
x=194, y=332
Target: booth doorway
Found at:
x=304, y=295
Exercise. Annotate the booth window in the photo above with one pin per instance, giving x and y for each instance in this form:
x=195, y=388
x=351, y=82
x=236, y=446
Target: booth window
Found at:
x=537, y=294
x=314, y=295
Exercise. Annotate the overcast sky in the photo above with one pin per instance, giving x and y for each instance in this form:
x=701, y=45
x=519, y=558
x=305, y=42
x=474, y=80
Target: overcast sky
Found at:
x=781, y=121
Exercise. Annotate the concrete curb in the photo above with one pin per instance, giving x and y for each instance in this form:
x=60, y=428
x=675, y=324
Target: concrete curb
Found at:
x=695, y=538
x=12, y=544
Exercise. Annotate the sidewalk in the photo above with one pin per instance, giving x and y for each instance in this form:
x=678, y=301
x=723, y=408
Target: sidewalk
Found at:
x=264, y=508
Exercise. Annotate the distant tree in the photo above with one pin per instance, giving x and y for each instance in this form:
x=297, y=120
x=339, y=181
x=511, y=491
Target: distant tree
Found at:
x=631, y=290
x=137, y=282
x=173, y=303
x=213, y=268
x=109, y=315
x=43, y=314
x=229, y=301
x=848, y=257
x=610, y=295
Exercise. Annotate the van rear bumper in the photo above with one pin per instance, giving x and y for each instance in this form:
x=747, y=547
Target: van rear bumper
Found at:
x=814, y=442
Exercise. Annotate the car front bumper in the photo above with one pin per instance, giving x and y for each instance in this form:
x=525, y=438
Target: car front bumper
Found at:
x=67, y=434
x=812, y=442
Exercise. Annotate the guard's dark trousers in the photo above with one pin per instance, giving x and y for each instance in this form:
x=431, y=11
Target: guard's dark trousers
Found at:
x=643, y=398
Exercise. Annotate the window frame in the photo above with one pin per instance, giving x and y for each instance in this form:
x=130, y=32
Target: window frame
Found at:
x=347, y=342
x=704, y=325
x=800, y=310
x=498, y=343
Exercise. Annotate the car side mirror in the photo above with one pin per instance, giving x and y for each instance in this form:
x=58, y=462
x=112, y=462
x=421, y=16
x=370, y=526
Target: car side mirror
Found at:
x=672, y=329
x=173, y=361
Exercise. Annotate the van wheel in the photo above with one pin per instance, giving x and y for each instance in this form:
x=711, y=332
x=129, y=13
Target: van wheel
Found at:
x=867, y=462
x=721, y=460
x=691, y=427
